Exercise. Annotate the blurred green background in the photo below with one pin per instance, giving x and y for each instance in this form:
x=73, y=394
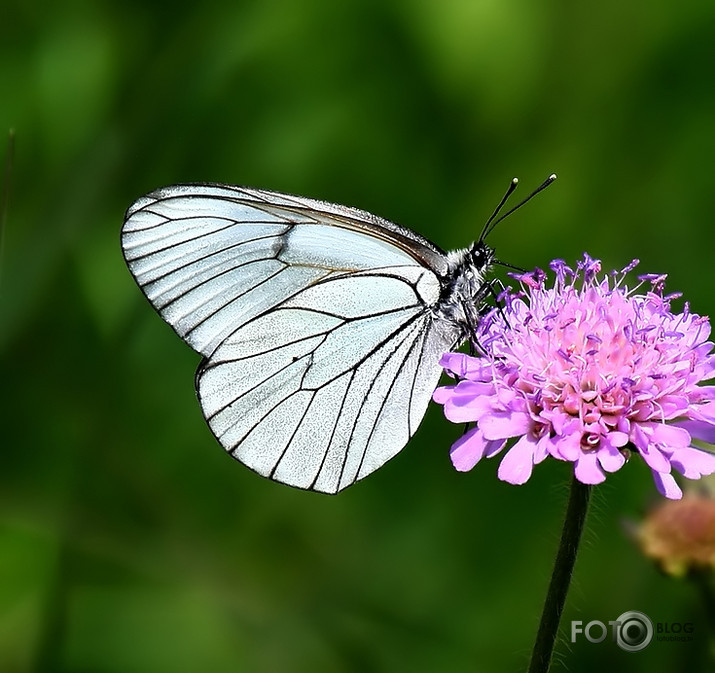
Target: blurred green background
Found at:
x=129, y=541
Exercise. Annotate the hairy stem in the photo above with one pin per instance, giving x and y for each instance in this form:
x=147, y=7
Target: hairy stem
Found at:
x=561, y=577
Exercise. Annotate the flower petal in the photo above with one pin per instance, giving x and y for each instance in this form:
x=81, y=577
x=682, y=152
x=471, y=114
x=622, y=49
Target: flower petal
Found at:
x=640, y=436
x=468, y=450
x=465, y=402
x=609, y=457
x=703, y=412
x=462, y=365
x=587, y=470
x=669, y=435
x=654, y=458
x=493, y=447
x=616, y=438
x=693, y=463
x=702, y=430
x=542, y=449
x=518, y=463
x=673, y=405
x=567, y=447
x=504, y=424
x=667, y=485
x=443, y=394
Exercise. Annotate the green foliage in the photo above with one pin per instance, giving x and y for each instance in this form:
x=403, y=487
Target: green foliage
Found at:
x=128, y=541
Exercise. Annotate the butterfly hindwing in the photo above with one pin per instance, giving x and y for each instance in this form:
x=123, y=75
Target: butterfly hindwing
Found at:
x=318, y=393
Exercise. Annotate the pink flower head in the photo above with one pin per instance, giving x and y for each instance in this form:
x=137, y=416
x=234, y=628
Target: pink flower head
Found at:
x=586, y=371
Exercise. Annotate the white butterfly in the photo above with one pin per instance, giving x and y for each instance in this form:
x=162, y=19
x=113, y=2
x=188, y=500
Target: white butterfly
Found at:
x=321, y=326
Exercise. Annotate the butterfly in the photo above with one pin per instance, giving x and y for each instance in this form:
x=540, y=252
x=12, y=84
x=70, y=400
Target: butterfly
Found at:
x=321, y=326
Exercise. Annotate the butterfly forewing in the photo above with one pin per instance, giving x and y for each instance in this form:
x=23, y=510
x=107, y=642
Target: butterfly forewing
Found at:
x=321, y=346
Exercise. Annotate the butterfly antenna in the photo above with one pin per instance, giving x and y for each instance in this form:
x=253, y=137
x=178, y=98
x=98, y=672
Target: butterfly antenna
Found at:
x=506, y=265
x=510, y=190
x=489, y=227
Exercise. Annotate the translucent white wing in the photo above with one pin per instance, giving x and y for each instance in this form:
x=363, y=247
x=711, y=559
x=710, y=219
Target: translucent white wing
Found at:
x=316, y=321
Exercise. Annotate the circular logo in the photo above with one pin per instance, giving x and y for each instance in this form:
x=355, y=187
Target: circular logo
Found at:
x=634, y=632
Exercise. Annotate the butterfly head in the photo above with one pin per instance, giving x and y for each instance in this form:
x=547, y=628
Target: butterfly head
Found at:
x=481, y=257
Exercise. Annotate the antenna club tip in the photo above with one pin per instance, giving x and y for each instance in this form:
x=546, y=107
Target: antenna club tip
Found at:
x=515, y=181
x=553, y=177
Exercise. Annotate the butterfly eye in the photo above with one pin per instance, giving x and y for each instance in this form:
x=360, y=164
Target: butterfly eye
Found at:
x=481, y=255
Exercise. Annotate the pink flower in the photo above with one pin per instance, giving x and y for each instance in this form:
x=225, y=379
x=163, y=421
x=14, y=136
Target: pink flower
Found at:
x=586, y=371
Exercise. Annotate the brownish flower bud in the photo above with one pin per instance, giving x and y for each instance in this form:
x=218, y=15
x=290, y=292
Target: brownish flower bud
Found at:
x=680, y=535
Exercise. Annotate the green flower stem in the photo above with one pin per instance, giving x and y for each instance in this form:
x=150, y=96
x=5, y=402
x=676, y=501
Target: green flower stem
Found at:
x=561, y=577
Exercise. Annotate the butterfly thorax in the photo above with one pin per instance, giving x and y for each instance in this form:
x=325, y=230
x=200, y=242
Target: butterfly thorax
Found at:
x=464, y=286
